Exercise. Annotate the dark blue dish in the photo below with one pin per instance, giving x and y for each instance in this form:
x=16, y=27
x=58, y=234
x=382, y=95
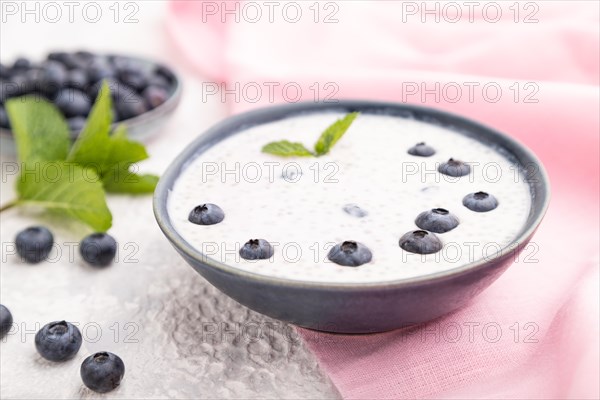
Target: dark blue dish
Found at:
x=357, y=308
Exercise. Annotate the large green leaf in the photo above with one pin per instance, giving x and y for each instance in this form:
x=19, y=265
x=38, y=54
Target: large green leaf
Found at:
x=40, y=131
x=65, y=188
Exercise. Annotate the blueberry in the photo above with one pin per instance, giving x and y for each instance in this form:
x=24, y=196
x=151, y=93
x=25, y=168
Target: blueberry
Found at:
x=102, y=372
x=420, y=242
x=206, y=214
x=58, y=341
x=77, y=78
x=480, y=202
x=76, y=124
x=165, y=73
x=59, y=56
x=438, y=220
x=159, y=80
x=256, y=249
x=128, y=103
x=421, y=150
x=53, y=77
x=430, y=189
x=21, y=63
x=5, y=72
x=84, y=55
x=355, y=211
x=98, y=249
x=99, y=70
x=34, y=244
x=70, y=61
x=73, y=102
x=291, y=174
x=4, y=122
x=16, y=86
x=113, y=85
x=134, y=78
x=6, y=320
x=121, y=63
x=350, y=254
x=454, y=168
x=155, y=96
x=35, y=79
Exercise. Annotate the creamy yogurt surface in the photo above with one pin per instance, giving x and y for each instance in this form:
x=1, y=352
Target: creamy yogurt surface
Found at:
x=297, y=203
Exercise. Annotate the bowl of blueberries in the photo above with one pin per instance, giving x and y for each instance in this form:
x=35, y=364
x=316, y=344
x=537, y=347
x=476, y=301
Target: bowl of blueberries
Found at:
x=145, y=93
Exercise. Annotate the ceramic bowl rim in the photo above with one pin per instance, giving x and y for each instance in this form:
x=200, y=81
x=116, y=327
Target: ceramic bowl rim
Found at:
x=199, y=145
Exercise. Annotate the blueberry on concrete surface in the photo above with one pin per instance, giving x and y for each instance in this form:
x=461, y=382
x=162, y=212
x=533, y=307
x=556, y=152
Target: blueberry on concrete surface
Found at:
x=34, y=244
x=256, y=249
x=438, y=220
x=98, y=249
x=6, y=320
x=206, y=214
x=58, y=341
x=420, y=242
x=455, y=168
x=102, y=372
x=350, y=254
x=480, y=202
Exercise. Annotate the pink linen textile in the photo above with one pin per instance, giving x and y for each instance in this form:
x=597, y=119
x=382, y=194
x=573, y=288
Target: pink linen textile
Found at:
x=534, y=333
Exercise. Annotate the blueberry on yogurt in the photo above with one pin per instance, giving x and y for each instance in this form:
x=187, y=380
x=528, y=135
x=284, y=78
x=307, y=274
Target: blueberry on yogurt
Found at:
x=454, y=168
x=350, y=254
x=438, y=220
x=354, y=210
x=480, y=202
x=58, y=341
x=421, y=150
x=420, y=242
x=256, y=249
x=206, y=214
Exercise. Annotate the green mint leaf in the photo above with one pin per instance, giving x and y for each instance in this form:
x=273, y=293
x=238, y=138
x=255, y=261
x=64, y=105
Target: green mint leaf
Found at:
x=92, y=143
x=333, y=133
x=121, y=150
x=286, y=148
x=127, y=182
x=65, y=188
x=40, y=131
x=96, y=148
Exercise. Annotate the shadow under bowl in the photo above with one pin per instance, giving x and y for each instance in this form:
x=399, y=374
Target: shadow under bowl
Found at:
x=355, y=307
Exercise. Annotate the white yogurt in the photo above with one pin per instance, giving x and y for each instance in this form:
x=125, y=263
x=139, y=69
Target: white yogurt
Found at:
x=303, y=217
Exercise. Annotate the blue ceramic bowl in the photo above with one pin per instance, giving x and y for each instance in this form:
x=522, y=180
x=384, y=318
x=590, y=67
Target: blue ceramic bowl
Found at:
x=356, y=308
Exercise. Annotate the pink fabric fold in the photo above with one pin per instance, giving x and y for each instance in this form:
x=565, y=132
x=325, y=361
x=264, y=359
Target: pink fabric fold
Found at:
x=546, y=305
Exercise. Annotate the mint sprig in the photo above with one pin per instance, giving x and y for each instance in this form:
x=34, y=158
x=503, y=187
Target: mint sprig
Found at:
x=327, y=140
x=73, y=180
